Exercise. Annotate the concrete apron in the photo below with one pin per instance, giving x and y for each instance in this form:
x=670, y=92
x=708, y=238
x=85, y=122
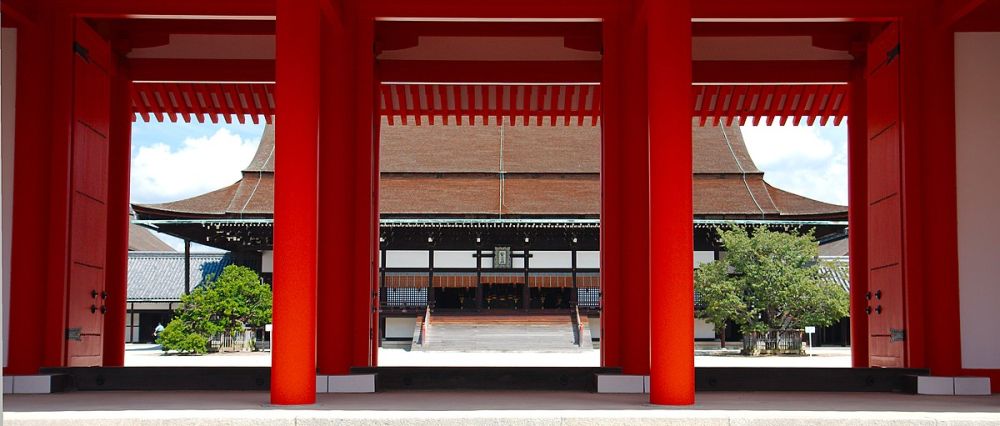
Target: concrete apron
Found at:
x=493, y=408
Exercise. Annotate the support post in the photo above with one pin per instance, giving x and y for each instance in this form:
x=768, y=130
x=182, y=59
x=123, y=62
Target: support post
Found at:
x=116, y=278
x=293, y=371
x=430, y=277
x=365, y=190
x=29, y=264
x=857, y=177
x=526, y=290
x=671, y=212
x=611, y=226
x=635, y=212
x=336, y=275
x=479, y=277
x=187, y=266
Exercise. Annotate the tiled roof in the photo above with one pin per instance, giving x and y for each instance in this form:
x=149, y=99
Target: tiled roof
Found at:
x=141, y=239
x=158, y=276
x=548, y=170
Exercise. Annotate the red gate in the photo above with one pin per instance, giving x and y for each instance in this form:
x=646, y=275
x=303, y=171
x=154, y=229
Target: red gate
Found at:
x=88, y=202
x=885, y=280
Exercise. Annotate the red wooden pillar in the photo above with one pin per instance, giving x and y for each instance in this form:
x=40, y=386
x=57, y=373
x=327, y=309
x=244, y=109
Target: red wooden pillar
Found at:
x=337, y=174
x=857, y=176
x=116, y=270
x=635, y=260
x=670, y=199
x=365, y=244
x=31, y=181
x=611, y=169
x=941, y=303
x=293, y=370
x=62, y=27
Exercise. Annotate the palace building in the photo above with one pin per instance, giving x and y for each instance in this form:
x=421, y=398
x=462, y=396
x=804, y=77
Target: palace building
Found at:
x=488, y=217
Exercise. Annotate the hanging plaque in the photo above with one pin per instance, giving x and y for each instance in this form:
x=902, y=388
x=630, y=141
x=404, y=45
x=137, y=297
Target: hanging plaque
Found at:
x=501, y=258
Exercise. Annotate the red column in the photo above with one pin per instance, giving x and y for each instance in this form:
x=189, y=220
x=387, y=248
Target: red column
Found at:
x=31, y=180
x=337, y=174
x=671, y=214
x=611, y=169
x=364, y=190
x=634, y=200
x=293, y=370
x=116, y=272
x=940, y=314
x=857, y=177
x=60, y=119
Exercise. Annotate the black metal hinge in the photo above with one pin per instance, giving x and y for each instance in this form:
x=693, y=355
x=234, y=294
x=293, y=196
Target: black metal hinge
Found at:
x=73, y=334
x=892, y=54
x=82, y=51
x=897, y=335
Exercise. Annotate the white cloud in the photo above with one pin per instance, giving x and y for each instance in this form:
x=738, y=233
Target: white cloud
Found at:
x=806, y=160
x=163, y=173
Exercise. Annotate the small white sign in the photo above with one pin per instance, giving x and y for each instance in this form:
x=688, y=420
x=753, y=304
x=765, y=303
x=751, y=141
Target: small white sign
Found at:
x=267, y=328
x=810, y=330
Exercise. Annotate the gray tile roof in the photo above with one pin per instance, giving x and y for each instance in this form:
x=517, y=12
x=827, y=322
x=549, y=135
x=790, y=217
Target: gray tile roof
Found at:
x=159, y=276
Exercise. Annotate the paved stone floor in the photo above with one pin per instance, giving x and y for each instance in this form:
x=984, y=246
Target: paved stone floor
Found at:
x=150, y=356
x=494, y=408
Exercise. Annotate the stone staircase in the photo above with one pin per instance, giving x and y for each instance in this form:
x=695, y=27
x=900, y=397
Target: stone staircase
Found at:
x=501, y=333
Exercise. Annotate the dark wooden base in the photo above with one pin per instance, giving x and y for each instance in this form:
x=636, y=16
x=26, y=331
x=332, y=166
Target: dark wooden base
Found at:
x=581, y=379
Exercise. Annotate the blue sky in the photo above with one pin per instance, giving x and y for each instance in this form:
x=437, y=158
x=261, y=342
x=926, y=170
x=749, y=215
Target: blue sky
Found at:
x=173, y=161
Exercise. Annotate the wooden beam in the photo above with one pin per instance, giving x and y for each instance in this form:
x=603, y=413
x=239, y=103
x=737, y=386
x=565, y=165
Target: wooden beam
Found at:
x=202, y=70
x=797, y=10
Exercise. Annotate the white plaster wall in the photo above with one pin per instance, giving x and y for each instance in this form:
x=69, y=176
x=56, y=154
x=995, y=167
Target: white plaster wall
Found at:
x=407, y=258
x=703, y=329
x=703, y=257
x=8, y=57
x=454, y=259
x=396, y=328
x=551, y=259
x=588, y=259
x=977, y=115
x=267, y=261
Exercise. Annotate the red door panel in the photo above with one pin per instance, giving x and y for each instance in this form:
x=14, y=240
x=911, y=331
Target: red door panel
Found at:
x=887, y=296
x=886, y=307
x=883, y=165
x=883, y=222
x=883, y=98
x=885, y=353
x=88, y=199
x=85, y=298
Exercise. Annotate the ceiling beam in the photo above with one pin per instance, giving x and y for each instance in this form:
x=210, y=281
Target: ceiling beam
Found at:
x=202, y=70
x=801, y=10
x=173, y=9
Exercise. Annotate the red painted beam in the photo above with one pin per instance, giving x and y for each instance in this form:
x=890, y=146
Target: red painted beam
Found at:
x=776, y=72
x=590, y=71
x=841, y=10
x=187, y=9
x=490, y=71
x=486, y=10
x=202, y=70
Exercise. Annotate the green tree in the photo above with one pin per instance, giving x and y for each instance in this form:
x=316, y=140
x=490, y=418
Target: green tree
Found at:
x=227, y=304
x=767, y=281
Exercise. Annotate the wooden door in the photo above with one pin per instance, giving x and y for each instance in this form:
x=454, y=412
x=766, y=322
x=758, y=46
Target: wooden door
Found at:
x=88, y=198
x=886, y=308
